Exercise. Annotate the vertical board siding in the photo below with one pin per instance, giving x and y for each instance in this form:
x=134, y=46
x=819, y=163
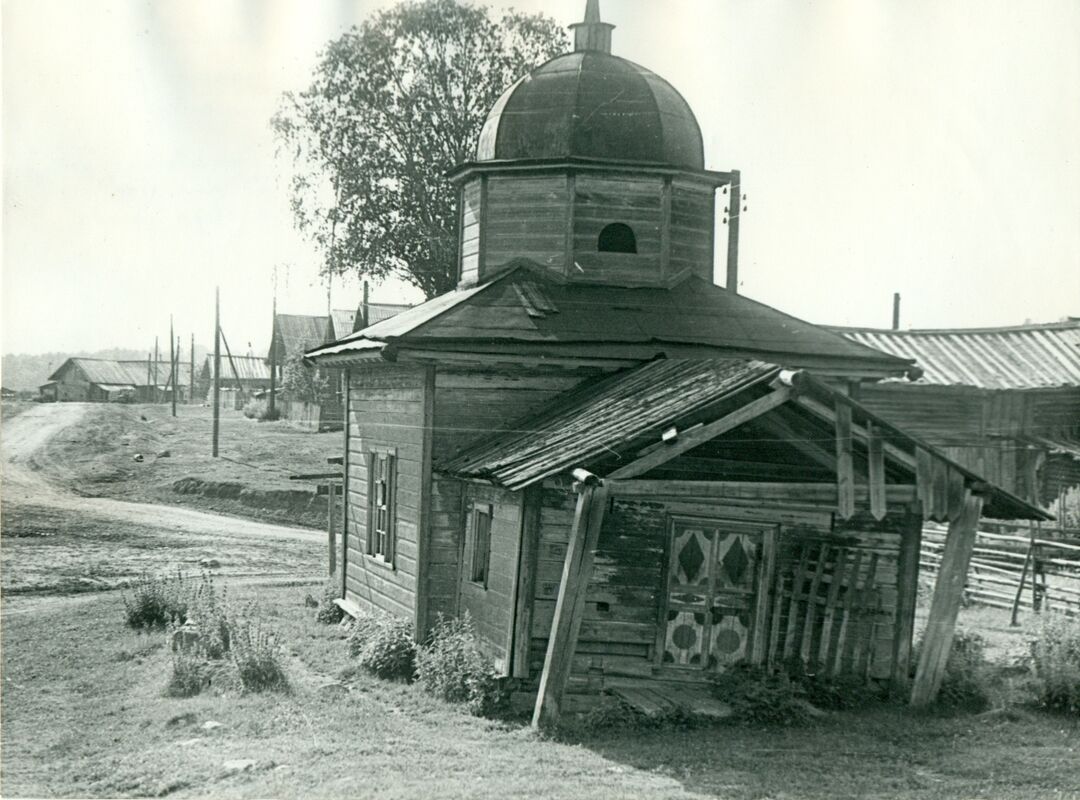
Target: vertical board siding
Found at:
x=491, y=606
x=470, y=232
x=525, y=217
x=445, y=546
x=472, y=404
x=625, y=592
x=386, y=410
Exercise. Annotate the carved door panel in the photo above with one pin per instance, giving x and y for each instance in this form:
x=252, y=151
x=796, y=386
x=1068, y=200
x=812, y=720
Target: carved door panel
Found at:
x=716, y=572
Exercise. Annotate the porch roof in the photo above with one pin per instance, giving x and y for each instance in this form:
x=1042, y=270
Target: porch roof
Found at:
x=606, y=424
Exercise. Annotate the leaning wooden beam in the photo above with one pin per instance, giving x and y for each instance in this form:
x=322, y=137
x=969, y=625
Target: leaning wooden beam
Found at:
x=876, y=471
x=570, y=606
x=945, y=604
x=845, y=472
x=690, y=439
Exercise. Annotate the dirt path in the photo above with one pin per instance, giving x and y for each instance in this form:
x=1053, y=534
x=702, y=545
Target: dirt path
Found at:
x=59, y=547
x=22, y=436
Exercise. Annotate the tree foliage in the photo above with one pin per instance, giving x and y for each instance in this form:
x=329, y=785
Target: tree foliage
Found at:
x=304, y=382
x=392, y=106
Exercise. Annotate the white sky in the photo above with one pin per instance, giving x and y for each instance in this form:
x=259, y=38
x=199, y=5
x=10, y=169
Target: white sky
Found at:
x=930, y=147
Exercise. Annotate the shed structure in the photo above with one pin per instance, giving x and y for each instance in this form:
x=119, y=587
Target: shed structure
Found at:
x=621, y=471
x=100, y=380
x=1003, y=401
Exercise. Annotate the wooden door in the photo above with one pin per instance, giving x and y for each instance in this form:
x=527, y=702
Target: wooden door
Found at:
x=716, y=598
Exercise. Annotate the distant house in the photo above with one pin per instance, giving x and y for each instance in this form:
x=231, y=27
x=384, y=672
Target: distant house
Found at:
x=1004, y=402
x=241, y=378
x=102, y=380
x=295, y=334
x=7, y=394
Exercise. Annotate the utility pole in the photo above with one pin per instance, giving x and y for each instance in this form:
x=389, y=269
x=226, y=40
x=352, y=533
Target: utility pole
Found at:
x=156, y=356
x=273, y=351
x=896, y=311
x=148, y=383
x=217, y=368
x=191, y=377
x=176, y=376
x=172, y=364
x=734, y=210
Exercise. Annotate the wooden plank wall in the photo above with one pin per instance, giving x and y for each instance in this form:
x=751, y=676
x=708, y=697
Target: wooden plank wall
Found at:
x=470, y=232
x=525, y=217
x=471, y=404
x=619, y=629
x=445, y=546
x=386, y=409
x=491, y=606
x=693, y=223
x=601, y=200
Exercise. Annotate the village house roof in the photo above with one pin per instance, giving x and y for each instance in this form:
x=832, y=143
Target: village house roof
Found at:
x=248, y=368
x=607, y=423
x=1020, y=357
x=298, y=333
x=527, y=311
x=112, y=374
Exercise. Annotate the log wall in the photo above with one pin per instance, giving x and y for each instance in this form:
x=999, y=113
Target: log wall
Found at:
x=386, y=410
x=625, y=595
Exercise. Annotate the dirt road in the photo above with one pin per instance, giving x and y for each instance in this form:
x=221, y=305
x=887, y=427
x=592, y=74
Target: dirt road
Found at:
x=57, y=542
x=22, y=436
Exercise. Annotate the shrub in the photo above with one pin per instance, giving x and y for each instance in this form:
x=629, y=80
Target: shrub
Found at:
x=207, y=611
x=966, y=682
x=1055, y=656
x=156, y=602
x=761, y=696
x=189, y=674
x=452, y=667
x=257, y=656
x=383, y=645
x=260, y=410
x=328, y=612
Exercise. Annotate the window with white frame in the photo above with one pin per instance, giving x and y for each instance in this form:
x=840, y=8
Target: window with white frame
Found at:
x=382, y=481
x=481, y=543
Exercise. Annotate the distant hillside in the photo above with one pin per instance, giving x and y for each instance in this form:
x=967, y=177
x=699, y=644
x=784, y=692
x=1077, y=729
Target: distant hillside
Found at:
x=27, y=372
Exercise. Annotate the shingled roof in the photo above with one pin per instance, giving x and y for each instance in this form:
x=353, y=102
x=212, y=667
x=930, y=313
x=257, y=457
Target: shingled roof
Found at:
x=527, y=311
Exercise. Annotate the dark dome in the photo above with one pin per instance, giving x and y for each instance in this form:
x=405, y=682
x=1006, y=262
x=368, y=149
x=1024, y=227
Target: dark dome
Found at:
x=592, y=105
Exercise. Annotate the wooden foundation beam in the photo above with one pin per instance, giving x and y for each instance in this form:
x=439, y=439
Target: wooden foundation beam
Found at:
x=948, y=592
x=570, y=606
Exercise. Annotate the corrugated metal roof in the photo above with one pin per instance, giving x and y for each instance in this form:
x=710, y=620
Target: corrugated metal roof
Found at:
x=377, y=312
x=299, y=333
x=590, y=422
x=344, y=322
x=525, y=307
x=249, y=368
x=1023, y=357
x=98, y=370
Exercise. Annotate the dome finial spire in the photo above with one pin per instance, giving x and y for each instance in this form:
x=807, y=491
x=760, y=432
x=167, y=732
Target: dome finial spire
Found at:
x=592, y=34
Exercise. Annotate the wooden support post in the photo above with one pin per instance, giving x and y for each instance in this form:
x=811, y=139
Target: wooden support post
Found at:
x=272, y=405
x=948, y=592
x=907, y=592
x=331, y=531
x=845, y=472
x=1014, y=619
x=526, y=587
x=570, y=606
x=876, y=471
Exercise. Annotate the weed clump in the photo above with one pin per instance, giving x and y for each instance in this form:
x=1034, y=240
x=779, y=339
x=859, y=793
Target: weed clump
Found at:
x=327, y=611
x=156, y=602
x=257, y=657
x=383, y=645
x=1055, y=660
x=189, y=674
x=207, y=611
x=760, y=696
x=452, y=667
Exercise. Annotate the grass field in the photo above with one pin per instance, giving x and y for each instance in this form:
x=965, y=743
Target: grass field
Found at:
x=84, y=715
x=249, y=479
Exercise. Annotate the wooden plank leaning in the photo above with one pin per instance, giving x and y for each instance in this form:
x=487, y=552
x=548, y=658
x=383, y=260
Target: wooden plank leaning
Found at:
x=945, y=604
x=570, y=606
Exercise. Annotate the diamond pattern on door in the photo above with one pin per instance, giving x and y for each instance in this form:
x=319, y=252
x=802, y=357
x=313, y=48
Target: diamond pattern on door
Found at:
x=712, y=580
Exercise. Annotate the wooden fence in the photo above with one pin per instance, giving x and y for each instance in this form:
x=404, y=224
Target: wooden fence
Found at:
x=1033, y=570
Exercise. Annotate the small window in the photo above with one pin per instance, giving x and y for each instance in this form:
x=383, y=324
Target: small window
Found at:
x=481, y=541
x=617, y=238
x=381, y=491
